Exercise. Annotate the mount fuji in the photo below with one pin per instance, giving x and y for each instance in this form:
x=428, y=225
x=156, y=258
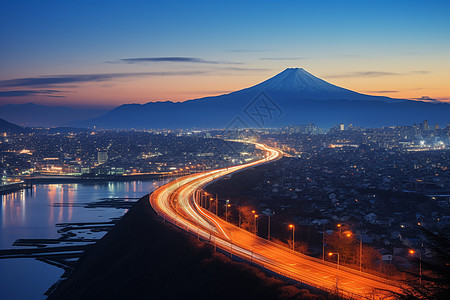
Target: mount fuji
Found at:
x=293, y=96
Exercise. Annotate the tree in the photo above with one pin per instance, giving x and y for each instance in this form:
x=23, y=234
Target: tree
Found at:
x=435, y=272
x=371, y=258
x=346, y=246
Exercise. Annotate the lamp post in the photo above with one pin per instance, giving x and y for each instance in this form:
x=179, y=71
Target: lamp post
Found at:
x=268, y=214
x=337, y=267
x=293, y=232
x=205, y=199
x=256, y=224
x=412, y=251
x=323, y=242
x=239, y=213
x=240, y=216
x=349, y=234
x=254, y=221
x=217, y=205
x=226, y=211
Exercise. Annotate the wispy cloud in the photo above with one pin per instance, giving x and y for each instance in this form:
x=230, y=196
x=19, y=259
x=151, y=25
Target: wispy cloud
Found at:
x=248, y=50
x=364, y=74
x=374, y=74
x=243, y=69
x=381, y=92
x=175, y=59
x=23, y=93
x=282, y=58
x=426, y=99
x=81, y=78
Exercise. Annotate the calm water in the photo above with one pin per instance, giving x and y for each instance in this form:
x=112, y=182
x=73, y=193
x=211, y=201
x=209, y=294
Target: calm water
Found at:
x=31, y=214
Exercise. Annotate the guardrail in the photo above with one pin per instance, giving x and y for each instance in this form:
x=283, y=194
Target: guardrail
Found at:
x=195, y=230
x=265, y=266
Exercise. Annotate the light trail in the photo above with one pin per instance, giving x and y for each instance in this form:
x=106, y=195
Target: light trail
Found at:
x=176, y=203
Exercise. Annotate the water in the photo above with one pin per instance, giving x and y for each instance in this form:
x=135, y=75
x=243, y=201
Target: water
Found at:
x=31, y=214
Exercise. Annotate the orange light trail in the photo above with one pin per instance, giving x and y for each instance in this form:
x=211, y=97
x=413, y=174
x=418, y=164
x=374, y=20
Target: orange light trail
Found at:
x=176, y=203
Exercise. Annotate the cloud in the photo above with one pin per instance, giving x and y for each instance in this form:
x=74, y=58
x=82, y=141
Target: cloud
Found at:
x=80, y=78
x=282, y=58
x=248, y=50
x=174, y=59
x=426, y=98
x=23, y=93
x=364, y=74
x=244, y=69
x=381, y=92
x=374, y=74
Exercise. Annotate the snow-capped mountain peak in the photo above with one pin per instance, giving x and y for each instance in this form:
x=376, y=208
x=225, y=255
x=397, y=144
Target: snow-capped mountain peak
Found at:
x=298, y=80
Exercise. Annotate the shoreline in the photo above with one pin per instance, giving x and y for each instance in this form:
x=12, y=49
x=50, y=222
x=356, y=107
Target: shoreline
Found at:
x=15, y=187
x=28, y=182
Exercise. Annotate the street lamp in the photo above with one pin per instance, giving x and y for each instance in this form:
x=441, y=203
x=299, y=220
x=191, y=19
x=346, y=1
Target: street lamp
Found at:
x=323, y=242
x=217, y=205
x=268, y=214
x=239, y=211
x=349, y=234
x=205, y=199
x=293, y=230
x=226, y=211
x=412, y=252
x=340, y=228
x=254, y=221
x=256, y=224
x=337, y=267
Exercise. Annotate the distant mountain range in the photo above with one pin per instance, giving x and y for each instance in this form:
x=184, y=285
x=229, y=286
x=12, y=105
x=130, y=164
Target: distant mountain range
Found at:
x=293, y=96
x=34, y=115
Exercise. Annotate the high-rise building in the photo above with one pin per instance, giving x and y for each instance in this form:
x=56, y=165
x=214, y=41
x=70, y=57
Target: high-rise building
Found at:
x=341, y=126
x=436, y=126
x=102, y=157
x=425, y=125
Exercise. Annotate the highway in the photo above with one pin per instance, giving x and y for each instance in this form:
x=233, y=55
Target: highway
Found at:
x=176, y=202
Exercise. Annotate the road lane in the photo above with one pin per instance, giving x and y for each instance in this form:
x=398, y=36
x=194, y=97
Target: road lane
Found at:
x=176, y=203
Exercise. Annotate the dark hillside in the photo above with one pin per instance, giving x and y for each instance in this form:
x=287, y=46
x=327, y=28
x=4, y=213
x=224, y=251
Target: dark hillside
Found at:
x=143, y=258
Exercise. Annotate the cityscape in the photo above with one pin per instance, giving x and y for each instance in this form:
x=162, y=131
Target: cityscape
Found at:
x=262, y=164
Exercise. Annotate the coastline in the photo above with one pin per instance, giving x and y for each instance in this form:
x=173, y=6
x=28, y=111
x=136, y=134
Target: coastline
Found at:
x=29, y=181
x=15, y=187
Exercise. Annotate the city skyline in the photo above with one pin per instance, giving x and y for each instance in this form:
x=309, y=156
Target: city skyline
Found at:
x=107, y=54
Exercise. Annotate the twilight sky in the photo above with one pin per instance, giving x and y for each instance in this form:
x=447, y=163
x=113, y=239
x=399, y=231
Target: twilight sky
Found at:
x=107, y=53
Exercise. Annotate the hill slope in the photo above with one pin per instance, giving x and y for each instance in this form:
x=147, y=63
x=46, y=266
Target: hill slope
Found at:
x=8, y=127
x=143, y=258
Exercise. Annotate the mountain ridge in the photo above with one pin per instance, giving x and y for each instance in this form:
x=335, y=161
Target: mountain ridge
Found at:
x=297, y=95
x=35, y=115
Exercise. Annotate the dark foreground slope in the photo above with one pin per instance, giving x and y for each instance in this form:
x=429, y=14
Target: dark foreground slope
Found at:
x=143, y=258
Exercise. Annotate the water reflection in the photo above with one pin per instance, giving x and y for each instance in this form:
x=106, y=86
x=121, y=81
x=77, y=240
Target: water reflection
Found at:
x=13, y=209
x=33, y=213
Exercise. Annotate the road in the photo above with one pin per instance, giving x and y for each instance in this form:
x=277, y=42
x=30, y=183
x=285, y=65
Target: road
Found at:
x=175, y=202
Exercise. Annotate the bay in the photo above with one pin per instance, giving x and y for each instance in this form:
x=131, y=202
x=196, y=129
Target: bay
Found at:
x=33, y=214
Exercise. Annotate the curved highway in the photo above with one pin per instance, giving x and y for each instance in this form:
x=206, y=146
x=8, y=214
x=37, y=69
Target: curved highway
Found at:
x=175, y=202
